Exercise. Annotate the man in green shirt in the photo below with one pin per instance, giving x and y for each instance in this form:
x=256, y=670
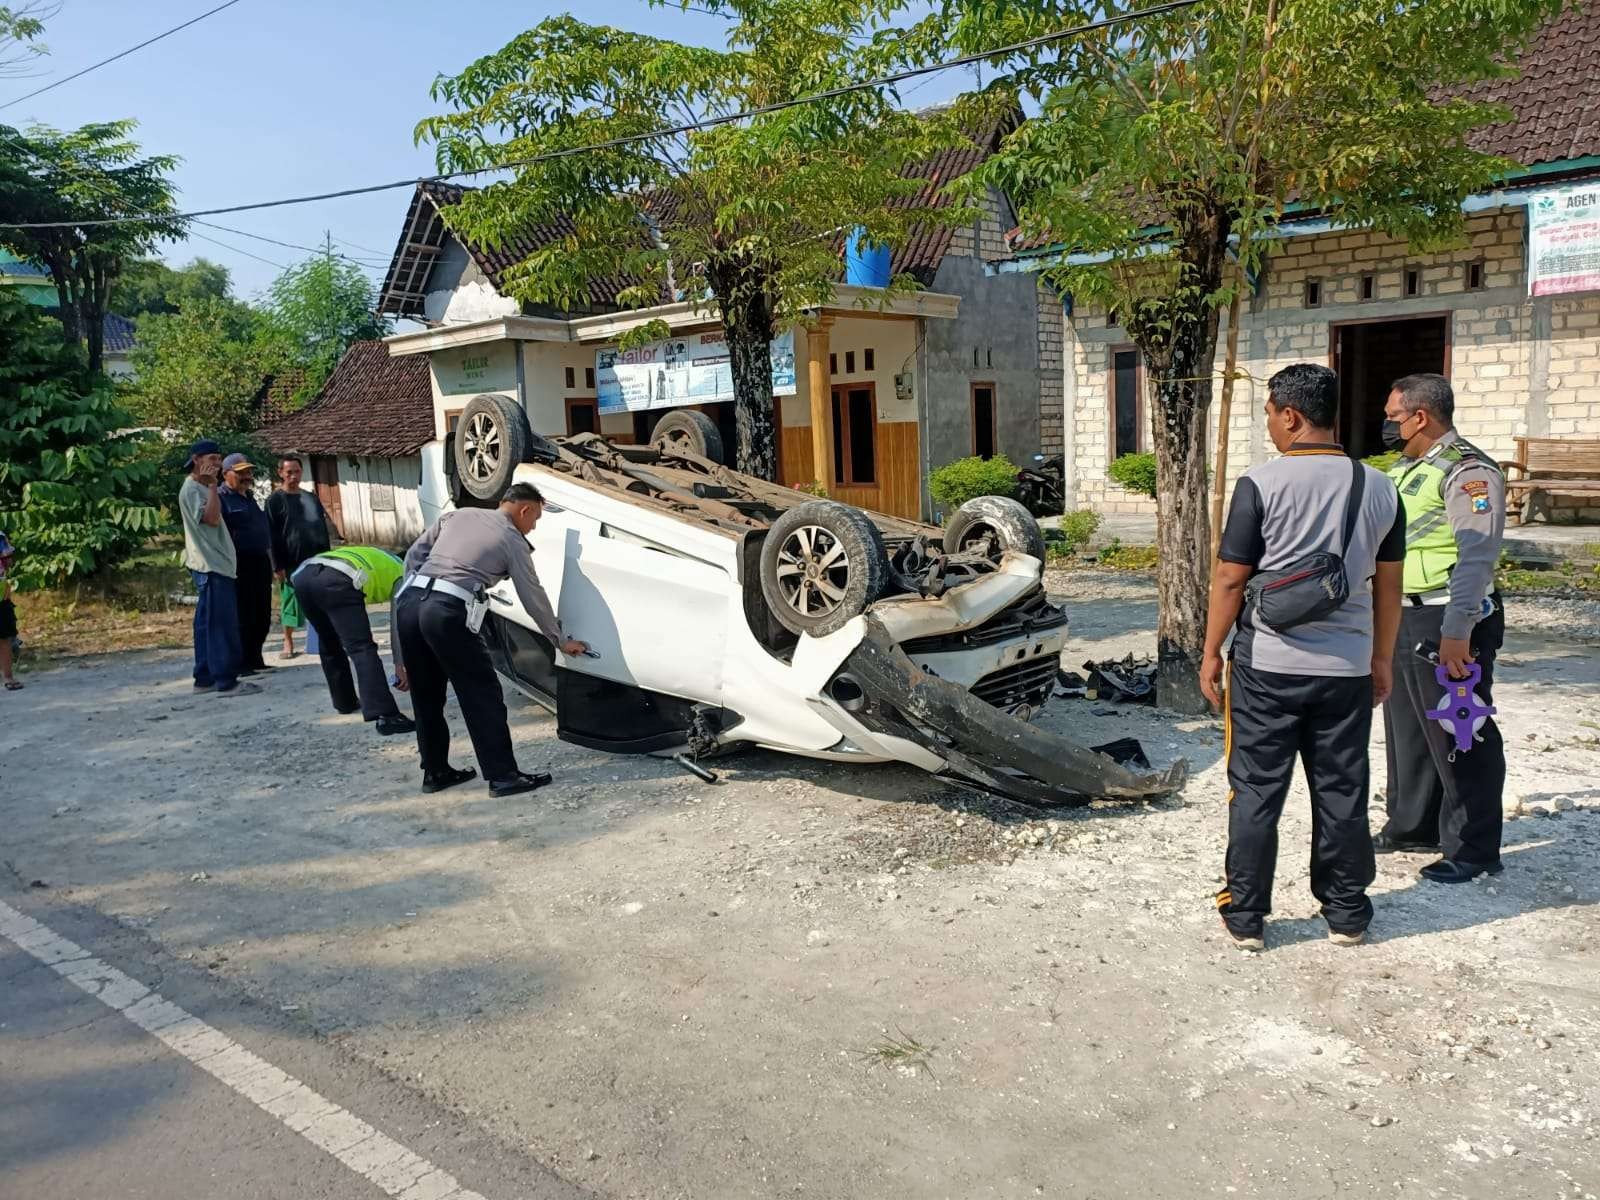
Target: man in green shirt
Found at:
x=334, y=589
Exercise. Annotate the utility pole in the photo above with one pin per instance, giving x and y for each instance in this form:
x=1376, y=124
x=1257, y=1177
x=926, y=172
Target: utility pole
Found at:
x=329, y=331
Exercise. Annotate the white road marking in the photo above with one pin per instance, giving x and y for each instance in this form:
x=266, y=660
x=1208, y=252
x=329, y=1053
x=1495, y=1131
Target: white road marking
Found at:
x=376, y=1158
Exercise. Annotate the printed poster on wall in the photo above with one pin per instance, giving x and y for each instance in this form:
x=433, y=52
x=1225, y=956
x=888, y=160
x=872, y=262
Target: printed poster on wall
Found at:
x=1564, y=241
x=691, y=369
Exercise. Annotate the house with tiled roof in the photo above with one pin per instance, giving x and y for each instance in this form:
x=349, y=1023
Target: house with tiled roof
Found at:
x=33, y=283
x=360, y=441
x=1511, y=317
x=970, y=365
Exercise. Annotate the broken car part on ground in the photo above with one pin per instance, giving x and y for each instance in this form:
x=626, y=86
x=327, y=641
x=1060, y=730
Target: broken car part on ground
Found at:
x=723, y=609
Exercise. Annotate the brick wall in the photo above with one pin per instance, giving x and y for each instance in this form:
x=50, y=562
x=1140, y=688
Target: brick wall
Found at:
x=1052, y=382
x=1518, y=366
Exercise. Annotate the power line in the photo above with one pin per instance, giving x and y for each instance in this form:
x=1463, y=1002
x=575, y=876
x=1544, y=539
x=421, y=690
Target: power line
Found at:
x=632, y=138
x=121, y=54
x=290, y=245
x=236, y=250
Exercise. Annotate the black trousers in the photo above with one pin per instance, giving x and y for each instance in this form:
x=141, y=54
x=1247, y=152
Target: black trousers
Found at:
x=438, y=648
x=1430, y=798
x=1325, y=722
x=254, y=592
x=337, y=610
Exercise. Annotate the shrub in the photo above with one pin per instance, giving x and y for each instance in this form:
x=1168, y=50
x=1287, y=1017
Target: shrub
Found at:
x=954, y=484
x=77, y=494
x=1077, y=528
x=1382, y=462
x=1136, y=472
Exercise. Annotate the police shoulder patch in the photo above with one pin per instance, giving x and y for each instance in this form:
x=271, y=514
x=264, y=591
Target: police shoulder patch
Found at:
x=1475, y=488
x=1480, y=504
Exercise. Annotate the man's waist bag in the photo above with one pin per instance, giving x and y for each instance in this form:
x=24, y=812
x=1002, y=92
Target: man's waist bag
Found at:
x=1311, y=588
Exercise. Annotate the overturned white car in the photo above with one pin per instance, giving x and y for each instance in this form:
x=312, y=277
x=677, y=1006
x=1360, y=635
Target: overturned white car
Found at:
x=723, y=609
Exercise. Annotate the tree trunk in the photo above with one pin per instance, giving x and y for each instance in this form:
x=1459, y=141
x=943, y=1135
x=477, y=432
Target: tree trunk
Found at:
x=750, y=358
x=93, y=316
x=1230, y=365
x=1182, y=403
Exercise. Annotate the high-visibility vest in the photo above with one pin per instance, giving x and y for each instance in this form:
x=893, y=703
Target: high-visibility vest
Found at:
x=1431, y=551
x=383, y=570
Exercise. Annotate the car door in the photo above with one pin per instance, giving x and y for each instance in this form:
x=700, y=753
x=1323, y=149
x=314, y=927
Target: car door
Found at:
x=657, y=618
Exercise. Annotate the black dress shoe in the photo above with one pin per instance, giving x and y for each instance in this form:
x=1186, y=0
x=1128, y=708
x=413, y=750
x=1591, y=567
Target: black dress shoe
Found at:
x=437, y=781
x=389, y=726
x=1448, y=870
x=518, y=783
x=1383, y=843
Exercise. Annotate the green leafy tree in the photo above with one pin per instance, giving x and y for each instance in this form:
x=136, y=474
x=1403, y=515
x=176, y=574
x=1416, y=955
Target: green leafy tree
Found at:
x=198, y=370
x=78, y=492
x=148, y=286
x=20, y=27
x=73, y=178
x=1169, y=143
x=316, y=309
x=744, y=220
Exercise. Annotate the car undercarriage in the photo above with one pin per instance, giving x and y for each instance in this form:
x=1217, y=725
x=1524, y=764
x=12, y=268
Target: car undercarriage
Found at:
x=727, y=609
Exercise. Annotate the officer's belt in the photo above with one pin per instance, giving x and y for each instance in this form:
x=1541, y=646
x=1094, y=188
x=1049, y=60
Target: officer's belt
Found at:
x=427, y=583
x=353, y=573
x=1439, y=596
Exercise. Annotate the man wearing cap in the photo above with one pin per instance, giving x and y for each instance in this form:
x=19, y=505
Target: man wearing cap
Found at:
x=334, y=589
x=208, y=553
x=450, y=567
x=247, y=525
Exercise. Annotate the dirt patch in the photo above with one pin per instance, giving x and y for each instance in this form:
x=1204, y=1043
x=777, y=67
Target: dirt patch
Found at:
x=668, y=988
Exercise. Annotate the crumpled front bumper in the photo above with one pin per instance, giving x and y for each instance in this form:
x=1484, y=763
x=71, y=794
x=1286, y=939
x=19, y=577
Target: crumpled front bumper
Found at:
x=982, y=745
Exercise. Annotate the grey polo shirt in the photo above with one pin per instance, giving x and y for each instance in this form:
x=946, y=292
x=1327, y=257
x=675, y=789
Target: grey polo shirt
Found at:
x=1293, y=506
x=206, y=548
x=479, y=547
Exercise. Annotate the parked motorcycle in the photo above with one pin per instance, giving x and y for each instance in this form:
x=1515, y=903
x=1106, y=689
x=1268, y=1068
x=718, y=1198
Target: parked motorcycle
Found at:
x=1042, y=488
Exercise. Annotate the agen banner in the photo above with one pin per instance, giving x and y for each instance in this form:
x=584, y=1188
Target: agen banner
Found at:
x=689, y=369
x=1564, y=241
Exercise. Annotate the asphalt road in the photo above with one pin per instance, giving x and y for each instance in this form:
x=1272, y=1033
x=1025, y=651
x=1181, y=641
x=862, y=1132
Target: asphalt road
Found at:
x=94, y=1106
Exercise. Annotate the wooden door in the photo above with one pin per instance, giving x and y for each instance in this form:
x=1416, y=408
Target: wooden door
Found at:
x=325, y=478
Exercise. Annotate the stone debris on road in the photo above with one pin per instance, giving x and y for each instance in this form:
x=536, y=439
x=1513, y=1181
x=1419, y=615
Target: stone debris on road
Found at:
x=666, y=987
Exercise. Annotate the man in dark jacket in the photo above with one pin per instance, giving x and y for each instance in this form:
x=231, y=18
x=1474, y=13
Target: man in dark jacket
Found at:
x=299, y=528
x=247, y=525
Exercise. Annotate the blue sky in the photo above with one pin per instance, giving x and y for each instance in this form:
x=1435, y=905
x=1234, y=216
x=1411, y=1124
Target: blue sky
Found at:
x=275, y=98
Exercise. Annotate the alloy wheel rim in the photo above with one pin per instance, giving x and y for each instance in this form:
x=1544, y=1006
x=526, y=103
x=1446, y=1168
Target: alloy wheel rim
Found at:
x=813, y=571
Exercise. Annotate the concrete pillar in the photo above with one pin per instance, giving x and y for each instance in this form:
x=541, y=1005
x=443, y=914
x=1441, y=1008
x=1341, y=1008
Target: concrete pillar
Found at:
x=820, y=388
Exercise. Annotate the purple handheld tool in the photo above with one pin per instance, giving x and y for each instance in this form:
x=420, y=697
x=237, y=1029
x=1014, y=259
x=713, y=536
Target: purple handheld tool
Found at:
x=1461, y=710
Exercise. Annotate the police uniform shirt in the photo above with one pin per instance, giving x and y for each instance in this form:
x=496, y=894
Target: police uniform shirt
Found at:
x=1474, y=494
x=477, y=548
x=1293, y=506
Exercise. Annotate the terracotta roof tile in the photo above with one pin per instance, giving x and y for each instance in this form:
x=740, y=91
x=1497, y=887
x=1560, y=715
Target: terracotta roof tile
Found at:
x=373, y=405
x=1555, y=99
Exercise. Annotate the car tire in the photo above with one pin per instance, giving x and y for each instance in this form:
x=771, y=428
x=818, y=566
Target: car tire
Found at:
x=491, y=439
x=994, y=524
x=688, y=430
x=822, y=564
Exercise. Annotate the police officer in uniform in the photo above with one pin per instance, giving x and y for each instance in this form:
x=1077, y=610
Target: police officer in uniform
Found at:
x=1454, y=497
x=440, y=609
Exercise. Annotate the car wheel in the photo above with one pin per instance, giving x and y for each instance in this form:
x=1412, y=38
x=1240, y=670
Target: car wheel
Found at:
x=822, y=564
x=991, y=525
x=491, y=438
x=688, y=431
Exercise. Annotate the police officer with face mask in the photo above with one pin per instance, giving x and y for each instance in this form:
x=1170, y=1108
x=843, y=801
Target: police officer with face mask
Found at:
x=1440, y=799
